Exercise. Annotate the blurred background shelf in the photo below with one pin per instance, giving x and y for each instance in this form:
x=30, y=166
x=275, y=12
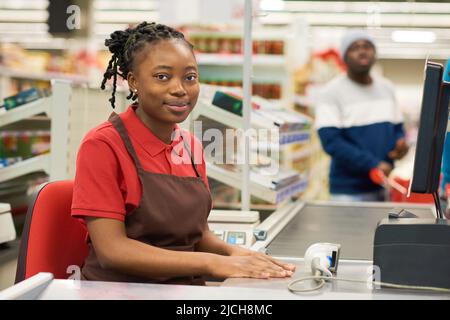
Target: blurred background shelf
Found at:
x=224, y=59
x=234, y=179
x=43, y=76
x=26, y=111
x=24, y=167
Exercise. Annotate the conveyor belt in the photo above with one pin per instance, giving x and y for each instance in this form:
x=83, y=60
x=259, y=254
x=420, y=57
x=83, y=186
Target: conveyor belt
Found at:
x=351, y=226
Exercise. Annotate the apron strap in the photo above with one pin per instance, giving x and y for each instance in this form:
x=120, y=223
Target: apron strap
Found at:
x=120, y=127
x=188, y=148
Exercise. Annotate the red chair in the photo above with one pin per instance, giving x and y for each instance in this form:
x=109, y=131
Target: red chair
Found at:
x=51, y=240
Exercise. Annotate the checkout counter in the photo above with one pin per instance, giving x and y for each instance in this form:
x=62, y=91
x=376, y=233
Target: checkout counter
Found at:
x=285, y=234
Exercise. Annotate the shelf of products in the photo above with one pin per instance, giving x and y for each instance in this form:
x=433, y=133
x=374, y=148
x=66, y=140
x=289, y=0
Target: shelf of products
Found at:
x=259, y=120
x=219, y=52
x=269, y=183
x=43, y=76
x=22, y=68
x=269, y=90
x=26, y=111
x=26, y=151
x=16, y=146
x=321, y=68
x=231, y=43
x=222, y=59
x=256, y=189
x=308, y=81
x=24, y=167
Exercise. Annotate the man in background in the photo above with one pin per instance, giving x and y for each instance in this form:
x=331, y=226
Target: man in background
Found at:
x=359, y=124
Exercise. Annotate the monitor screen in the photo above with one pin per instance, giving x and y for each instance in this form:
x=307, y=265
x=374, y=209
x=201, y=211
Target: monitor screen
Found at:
x=432, y=130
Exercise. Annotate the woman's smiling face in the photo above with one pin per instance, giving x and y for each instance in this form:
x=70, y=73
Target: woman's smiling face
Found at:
x=165, y=75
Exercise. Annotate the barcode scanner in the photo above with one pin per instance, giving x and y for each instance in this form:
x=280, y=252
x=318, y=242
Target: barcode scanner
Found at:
x=323, y=258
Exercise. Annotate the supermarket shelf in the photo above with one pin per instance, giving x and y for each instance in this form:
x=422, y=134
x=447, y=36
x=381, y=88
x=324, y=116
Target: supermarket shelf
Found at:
x=224, y=59
x=46, y=76
x=40, y=41
x=40, y=118
x=223, y=34
x=234, y=121
x=21, y=168
x=210, y=111
x=288, y=138
x=234, y=180
x=57, y=107
x=26, y=111
x=272, y=146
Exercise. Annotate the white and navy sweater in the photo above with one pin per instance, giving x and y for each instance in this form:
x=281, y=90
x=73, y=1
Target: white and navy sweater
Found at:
x=358, y=125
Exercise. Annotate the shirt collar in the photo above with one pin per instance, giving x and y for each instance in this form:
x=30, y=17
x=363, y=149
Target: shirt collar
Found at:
x=146, y=138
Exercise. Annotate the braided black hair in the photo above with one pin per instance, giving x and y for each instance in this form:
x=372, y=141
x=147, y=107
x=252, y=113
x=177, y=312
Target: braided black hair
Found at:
x=125, y=44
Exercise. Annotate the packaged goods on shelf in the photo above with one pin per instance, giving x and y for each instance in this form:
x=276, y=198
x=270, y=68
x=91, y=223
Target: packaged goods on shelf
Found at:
x=268, y=47
x=308, y=79
x=281, y=179
x=24, y=97
x=16, y=146
x=232, y=44
x=214, y=44
x=292, y=127
x=222, y=82
x=230, y=102
x=265, y=90
x=264, y=176
x=285, y=119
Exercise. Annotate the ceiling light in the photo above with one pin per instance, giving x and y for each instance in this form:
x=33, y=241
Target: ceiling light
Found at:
x=413, y=36
x=271, y=5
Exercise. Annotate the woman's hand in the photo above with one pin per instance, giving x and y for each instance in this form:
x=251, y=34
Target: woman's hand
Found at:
x=244, y=263
x=240, y=251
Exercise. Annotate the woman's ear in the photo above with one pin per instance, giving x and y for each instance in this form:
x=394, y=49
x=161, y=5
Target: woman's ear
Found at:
x=132, y=82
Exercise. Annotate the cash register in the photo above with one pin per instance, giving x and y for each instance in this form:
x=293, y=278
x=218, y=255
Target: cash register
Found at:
x=408, y=250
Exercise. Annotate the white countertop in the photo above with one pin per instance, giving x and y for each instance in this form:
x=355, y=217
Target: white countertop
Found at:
x=236, y=289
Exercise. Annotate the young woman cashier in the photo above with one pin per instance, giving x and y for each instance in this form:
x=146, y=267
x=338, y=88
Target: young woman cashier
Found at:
x=144, y=199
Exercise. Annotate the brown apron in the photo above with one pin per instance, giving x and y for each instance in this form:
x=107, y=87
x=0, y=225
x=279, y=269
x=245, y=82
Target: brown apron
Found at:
x=172, y=214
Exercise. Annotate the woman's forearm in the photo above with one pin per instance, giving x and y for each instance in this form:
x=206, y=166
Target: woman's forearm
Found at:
x=139, y=259
x=212, y=244
x=117, y=252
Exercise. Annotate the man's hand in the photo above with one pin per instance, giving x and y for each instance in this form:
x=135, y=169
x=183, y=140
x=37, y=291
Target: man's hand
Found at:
x=401, y=149
x=385, y=167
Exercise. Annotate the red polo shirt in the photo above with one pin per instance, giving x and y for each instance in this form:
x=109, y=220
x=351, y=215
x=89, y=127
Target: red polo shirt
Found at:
x=106, y=181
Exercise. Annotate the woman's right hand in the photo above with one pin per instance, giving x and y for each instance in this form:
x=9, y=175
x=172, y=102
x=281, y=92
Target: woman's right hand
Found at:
x=251, y=266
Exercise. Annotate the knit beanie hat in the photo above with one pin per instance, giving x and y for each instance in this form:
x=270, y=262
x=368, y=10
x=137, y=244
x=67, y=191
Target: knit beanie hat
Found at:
x=352, y=36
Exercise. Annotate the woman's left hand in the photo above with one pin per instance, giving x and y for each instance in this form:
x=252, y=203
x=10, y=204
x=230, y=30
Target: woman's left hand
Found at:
x=240, y=251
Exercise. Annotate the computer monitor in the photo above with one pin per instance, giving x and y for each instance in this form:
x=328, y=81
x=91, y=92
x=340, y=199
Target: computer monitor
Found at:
x=432, y=131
